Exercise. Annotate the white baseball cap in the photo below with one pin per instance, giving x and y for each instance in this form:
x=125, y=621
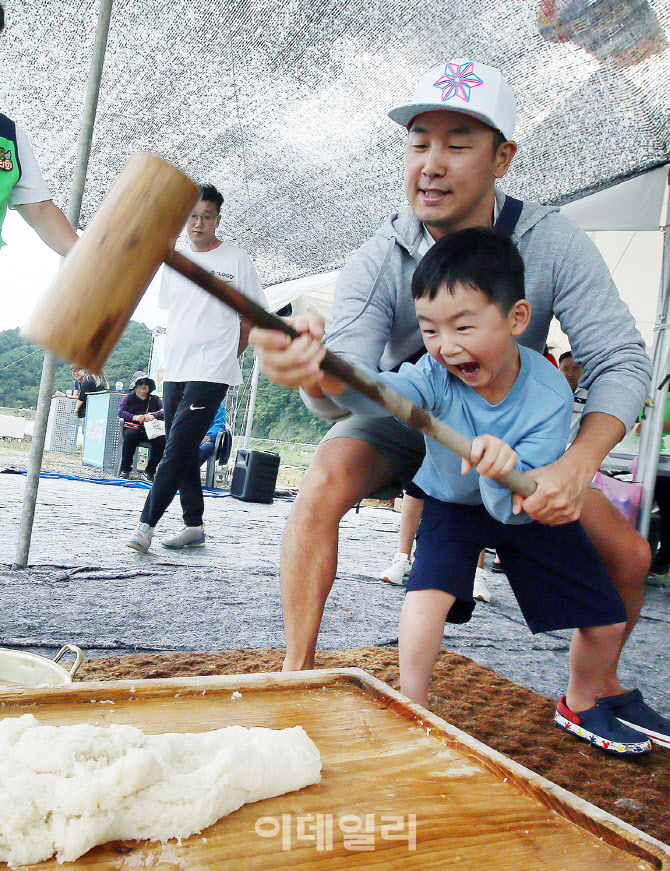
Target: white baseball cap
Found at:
x=466, y=86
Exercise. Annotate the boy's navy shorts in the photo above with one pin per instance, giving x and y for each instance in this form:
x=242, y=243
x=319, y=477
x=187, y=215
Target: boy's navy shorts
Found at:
x=556, y=574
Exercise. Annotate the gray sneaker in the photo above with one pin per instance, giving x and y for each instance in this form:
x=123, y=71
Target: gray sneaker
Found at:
x=189, y=536
x=141, y=538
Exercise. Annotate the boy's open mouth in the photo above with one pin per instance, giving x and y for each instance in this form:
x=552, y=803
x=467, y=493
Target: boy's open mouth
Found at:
x=468, y=368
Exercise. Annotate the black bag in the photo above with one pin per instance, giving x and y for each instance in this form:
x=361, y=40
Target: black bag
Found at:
x=225, y=447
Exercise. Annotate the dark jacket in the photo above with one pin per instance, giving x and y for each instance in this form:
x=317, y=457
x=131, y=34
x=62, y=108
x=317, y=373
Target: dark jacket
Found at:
x=132, y=405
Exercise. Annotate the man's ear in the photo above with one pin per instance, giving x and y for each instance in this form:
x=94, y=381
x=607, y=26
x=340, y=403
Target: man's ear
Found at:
x=503, y=158
x=519, y=317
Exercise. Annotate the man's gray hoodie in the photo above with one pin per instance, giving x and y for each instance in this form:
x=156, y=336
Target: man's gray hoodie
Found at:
x=375, y=324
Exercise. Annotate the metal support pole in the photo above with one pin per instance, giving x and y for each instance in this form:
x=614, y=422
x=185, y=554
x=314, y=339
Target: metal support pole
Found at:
x=50, y=362
x=252, y=402
x=652, y=428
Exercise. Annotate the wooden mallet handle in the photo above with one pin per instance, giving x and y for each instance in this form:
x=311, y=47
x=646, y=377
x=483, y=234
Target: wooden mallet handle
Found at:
x=89, y=303
x=398, y=405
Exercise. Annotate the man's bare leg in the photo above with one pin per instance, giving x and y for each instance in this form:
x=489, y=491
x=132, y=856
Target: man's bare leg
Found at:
x=342, y=472
x=627, y=557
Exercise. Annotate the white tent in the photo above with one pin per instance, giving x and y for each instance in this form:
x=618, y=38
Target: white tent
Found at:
x=626, y=222
x=629, y=220
x=313, y=291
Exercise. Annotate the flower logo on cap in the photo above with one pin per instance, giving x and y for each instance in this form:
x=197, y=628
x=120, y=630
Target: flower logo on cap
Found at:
x=457, y=81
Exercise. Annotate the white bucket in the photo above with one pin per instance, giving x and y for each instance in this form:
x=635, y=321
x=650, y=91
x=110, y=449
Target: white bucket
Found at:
x=18, y=669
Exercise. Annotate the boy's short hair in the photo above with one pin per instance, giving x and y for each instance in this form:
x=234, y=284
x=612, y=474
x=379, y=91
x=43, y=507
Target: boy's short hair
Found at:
x=483, y=259
x=209, y=192
x=564, y=356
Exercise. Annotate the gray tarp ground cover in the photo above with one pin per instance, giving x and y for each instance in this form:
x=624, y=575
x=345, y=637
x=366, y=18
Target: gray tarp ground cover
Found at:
x=85, y=587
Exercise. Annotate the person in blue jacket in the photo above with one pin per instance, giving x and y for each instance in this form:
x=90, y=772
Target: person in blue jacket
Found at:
x=208, y=443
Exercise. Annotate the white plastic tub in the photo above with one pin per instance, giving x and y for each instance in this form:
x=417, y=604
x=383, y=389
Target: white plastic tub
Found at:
x=19, y=669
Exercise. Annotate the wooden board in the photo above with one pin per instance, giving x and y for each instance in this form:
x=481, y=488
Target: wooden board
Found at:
x=401, y=789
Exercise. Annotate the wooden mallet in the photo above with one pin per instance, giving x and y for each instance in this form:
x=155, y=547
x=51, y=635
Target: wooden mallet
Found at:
x=88, y=305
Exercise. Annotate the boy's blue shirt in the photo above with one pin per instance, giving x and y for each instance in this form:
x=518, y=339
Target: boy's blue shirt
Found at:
x=534, y=419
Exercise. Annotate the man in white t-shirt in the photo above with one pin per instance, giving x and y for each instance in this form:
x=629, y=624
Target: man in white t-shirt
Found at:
x=22, y=186
x=204, y=338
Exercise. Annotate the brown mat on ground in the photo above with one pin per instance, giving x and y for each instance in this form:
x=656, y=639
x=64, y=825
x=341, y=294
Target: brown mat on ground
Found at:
x=507, y=717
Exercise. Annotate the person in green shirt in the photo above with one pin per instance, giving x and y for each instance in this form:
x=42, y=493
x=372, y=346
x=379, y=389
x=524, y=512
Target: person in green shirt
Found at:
x=22, y=186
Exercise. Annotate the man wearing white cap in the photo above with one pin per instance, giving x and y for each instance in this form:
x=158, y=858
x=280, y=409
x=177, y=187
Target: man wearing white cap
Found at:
x=460, y=124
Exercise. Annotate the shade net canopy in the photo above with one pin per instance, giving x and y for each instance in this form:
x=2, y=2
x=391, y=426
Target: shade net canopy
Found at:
x=283, y=106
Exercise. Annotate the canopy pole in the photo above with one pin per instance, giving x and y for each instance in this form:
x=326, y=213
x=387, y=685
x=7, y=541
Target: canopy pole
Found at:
x=50, y=362
x=652, y=427
x=252, y=402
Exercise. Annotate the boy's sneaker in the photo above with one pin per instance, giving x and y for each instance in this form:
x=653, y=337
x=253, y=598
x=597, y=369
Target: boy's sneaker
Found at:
x=397, y=571
x=148, y=477
x=480, y=591
x=189, y=536
x=600, y=727
x=124, y=474
x=141, y=538
x=631, y=710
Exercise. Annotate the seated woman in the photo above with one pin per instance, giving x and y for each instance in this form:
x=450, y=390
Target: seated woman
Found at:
x=136, y=408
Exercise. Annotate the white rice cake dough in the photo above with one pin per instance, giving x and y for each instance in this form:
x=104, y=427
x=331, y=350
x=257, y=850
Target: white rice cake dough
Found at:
x=64, y=789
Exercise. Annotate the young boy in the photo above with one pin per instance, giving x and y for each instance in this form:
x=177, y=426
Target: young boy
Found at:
x=516, y=407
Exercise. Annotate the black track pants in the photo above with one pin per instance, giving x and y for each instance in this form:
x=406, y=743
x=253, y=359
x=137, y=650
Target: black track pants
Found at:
x=189, y=408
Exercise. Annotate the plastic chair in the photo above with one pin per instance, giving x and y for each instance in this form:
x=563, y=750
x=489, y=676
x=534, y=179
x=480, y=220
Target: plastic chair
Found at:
x=220, y=455
x=117, y=465
x=385, y=493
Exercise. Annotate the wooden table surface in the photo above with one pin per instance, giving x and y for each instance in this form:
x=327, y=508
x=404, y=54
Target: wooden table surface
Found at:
x=400, y=788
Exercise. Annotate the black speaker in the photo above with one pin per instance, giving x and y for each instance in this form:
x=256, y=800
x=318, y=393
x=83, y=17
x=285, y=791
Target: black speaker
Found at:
x=255, y=476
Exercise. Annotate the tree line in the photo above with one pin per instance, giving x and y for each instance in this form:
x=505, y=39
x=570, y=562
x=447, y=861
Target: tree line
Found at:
x=21, y=365
x=279, y=413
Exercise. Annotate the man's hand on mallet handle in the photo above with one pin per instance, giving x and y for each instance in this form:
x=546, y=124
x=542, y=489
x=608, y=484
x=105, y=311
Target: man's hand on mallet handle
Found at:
x=559, y=495
x=296, y=362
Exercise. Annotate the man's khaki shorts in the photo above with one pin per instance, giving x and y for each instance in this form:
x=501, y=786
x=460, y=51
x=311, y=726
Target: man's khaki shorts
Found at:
x=402, y=446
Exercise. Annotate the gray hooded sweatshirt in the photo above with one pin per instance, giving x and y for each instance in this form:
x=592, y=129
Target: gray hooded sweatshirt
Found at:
x=375, y=323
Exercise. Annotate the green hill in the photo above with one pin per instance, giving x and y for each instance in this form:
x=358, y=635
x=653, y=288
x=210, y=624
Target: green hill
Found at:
x=21, y=365
x=279, y=414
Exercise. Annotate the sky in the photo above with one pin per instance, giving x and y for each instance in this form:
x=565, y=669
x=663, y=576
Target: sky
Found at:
x=27, y=266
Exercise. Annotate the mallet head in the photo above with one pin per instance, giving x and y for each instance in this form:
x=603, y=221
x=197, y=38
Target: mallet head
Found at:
x=88, y=305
